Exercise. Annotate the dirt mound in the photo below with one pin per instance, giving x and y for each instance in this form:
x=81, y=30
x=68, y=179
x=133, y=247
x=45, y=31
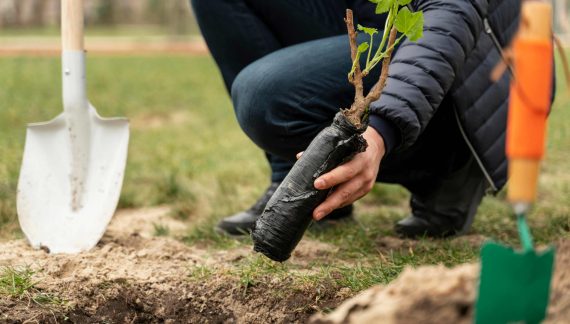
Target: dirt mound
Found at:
x=436, y=294
x=133, y=276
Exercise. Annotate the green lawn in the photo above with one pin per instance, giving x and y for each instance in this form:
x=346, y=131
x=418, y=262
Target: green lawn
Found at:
x=101, y=30
x=188, y=151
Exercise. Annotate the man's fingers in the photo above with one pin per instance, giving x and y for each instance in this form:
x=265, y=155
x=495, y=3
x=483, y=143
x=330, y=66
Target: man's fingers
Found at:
x=341, y=196
x=299, y=154
x=338, y=175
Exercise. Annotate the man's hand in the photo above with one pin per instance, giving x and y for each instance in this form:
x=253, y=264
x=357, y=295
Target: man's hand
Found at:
x=352, y=180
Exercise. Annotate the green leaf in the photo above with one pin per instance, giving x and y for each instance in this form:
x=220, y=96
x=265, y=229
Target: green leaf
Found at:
x=383, y=6
x=369, y=30
x=410, y=24
x=403, y=2
x=362, y=47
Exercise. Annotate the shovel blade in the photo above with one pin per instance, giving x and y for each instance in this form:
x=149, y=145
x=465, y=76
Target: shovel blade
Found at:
x=45, y=194
x=514, y=286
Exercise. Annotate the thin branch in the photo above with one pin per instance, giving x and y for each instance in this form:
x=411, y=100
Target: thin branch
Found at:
x=361, y=103
x=376, y=91
x=356, y=77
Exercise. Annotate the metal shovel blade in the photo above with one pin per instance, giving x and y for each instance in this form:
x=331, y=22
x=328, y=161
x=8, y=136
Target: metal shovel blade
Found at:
x=514, y=286
x=51, y=214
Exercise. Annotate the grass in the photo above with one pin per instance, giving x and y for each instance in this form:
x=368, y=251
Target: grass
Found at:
x=18, y=283
x=142, y=31
x=161, y=230
x=187, y=151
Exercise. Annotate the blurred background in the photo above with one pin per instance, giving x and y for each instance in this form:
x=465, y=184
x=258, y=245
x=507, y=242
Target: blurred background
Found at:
x=146, y=25
x=140, y=18
x=168, y=17
x=161, y=16
x=113, y=26
x=561, y=24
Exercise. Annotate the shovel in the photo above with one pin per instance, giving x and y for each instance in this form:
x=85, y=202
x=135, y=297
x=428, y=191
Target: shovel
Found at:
x=73, y=165
x=515, y=285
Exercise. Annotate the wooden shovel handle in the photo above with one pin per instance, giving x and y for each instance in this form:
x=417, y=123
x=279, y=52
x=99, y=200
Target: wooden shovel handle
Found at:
x=72, y=25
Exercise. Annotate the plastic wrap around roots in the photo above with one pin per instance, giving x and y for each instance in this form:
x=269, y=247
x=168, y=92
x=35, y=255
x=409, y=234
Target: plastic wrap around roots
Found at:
x=289, y=211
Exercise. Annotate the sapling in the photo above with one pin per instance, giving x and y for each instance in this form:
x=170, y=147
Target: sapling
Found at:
x=288, y=212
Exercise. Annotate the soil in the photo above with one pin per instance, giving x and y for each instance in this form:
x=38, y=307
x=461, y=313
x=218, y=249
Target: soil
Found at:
x=134, y=277
x=436, y=294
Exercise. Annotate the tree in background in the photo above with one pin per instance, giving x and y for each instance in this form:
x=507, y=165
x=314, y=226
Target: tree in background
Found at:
x=561, y=16
x=173, y=14
x=15, y=13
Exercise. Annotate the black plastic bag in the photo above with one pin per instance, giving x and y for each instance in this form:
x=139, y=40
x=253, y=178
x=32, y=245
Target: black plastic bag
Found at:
x=289, y=211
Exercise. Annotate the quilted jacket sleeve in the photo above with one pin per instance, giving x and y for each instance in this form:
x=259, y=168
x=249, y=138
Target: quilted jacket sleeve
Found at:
x=421, y=73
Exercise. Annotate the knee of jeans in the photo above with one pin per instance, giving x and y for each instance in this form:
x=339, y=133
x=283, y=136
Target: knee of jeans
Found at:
x=256, y=100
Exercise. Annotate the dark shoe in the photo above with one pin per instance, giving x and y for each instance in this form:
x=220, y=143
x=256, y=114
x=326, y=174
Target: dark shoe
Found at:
x=449, y=209
x=243, y=222
x=417, y=227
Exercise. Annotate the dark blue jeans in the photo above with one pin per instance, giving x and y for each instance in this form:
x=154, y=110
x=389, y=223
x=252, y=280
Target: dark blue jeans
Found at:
x=285, y=64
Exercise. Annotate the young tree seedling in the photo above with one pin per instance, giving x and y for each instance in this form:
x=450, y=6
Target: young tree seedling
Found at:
x=289, y=211
x=400, y=20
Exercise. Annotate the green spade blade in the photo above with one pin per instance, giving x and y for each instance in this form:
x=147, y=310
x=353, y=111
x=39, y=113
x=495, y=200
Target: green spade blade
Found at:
x=514, y=286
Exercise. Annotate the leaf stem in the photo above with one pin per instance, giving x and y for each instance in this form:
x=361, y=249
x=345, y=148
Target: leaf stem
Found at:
x=387, y=27
x=366, y=70
x=376, y=60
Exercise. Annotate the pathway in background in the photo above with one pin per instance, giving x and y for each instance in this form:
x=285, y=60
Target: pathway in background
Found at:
x=128, y=45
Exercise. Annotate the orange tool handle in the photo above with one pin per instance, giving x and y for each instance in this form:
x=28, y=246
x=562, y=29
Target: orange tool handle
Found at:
x=529, y=100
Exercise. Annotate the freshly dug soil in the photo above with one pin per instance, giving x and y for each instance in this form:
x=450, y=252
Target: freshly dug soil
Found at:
x=436, y=294
x=133, y=277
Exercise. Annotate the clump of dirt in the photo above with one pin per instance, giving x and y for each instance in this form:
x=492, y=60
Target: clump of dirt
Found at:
x=144, y=222
x=436, y=294
x=559, y=310
x=309, y=251
x=133, y=276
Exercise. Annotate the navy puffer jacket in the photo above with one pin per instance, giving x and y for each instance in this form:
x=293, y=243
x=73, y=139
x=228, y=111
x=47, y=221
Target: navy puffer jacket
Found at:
x=451, y=65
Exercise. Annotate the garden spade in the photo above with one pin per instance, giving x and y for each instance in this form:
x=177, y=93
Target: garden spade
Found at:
x=514, y=285
x=73, y=165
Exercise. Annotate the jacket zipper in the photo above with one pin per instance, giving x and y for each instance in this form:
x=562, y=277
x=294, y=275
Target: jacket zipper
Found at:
x=489, y=31
x=493, y=189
